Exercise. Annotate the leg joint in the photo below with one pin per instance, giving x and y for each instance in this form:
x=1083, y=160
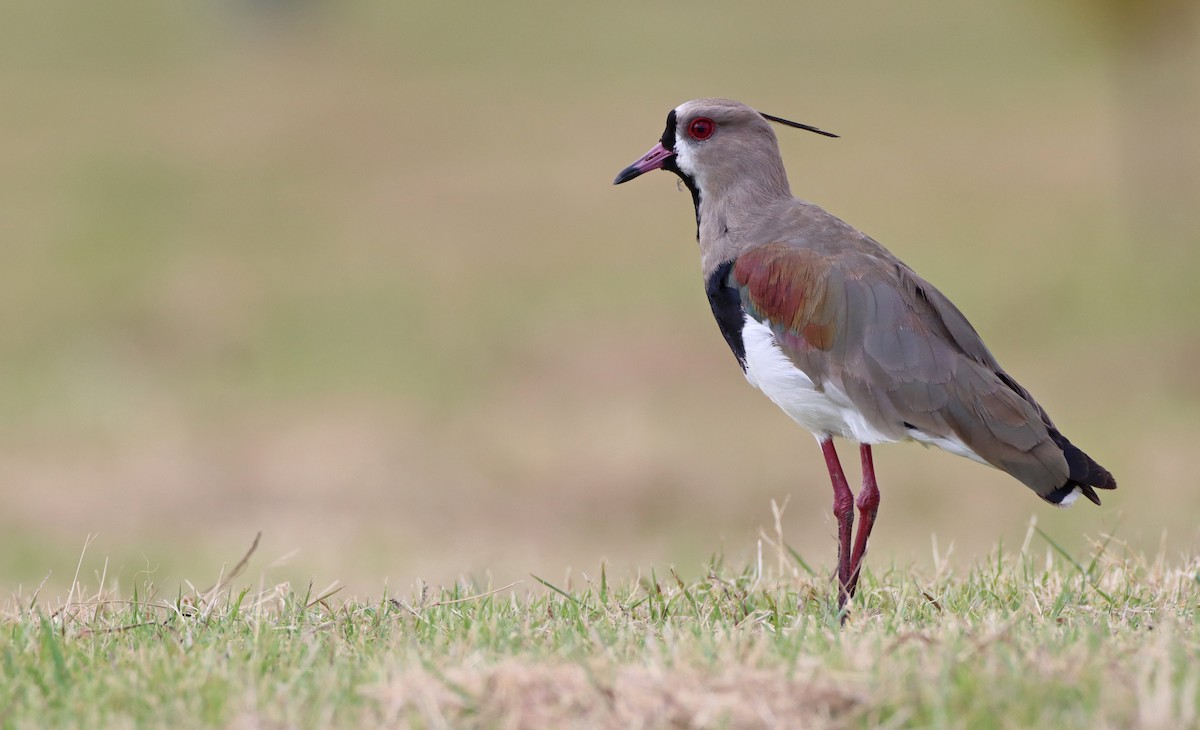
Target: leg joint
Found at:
x=868, y=500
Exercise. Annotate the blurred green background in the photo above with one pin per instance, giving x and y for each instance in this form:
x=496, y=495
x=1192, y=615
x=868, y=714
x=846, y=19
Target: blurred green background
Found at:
x=354, y=274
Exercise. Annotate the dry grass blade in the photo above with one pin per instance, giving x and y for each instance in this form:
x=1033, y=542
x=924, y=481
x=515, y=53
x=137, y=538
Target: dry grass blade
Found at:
x=36, y=593
x=117, y=629
x=75, y=580
x=237, y=569
x=476, y=596
x=423, y=604
x=330, y=591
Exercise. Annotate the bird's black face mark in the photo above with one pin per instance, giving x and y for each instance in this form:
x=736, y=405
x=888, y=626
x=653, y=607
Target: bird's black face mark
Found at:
x=668, y=137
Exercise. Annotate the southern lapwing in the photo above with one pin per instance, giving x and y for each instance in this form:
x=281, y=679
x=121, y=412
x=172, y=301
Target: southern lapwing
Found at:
x=840, y=334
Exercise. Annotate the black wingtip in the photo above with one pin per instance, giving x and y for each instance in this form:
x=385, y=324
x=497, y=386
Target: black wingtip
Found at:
x=797, y=125
x=1084, y=473
x=1091, y=493
x=1083, y=468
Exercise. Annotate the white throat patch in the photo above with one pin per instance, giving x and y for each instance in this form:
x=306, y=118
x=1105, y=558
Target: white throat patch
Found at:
x=685, y=155
x=685, y=152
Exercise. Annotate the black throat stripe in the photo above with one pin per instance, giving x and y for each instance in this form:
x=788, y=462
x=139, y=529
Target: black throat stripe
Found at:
x=726, y=305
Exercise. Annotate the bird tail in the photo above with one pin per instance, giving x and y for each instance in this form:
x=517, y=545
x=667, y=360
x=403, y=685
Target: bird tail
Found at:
x=1085, y=474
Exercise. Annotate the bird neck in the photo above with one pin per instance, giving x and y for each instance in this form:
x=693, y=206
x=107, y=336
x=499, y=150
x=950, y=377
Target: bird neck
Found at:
x=727, y=219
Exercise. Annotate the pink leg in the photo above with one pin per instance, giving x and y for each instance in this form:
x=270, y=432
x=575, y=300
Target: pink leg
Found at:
x=868, y=507
x=843, y=511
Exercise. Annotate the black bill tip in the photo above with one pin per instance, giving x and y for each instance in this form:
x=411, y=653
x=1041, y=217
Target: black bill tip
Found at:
x=627, y=174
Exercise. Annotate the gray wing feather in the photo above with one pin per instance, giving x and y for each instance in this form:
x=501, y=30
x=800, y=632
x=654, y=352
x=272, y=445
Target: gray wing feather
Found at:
x=907, y=358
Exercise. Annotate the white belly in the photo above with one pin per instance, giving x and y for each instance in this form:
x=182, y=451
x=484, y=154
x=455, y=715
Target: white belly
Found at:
x=823, y=410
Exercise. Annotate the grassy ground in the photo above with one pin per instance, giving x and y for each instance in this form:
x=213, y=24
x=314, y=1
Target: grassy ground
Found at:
x=1031, y=638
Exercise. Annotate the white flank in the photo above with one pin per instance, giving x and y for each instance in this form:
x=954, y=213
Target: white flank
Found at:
x=823, y=411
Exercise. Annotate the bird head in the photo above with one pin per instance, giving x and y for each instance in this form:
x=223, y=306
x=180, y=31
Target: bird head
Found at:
x=713, y=143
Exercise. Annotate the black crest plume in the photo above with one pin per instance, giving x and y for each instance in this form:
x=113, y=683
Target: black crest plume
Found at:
x=797, y=125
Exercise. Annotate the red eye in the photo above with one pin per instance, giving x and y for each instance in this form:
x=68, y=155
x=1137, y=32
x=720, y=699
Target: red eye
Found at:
x=701, y=128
